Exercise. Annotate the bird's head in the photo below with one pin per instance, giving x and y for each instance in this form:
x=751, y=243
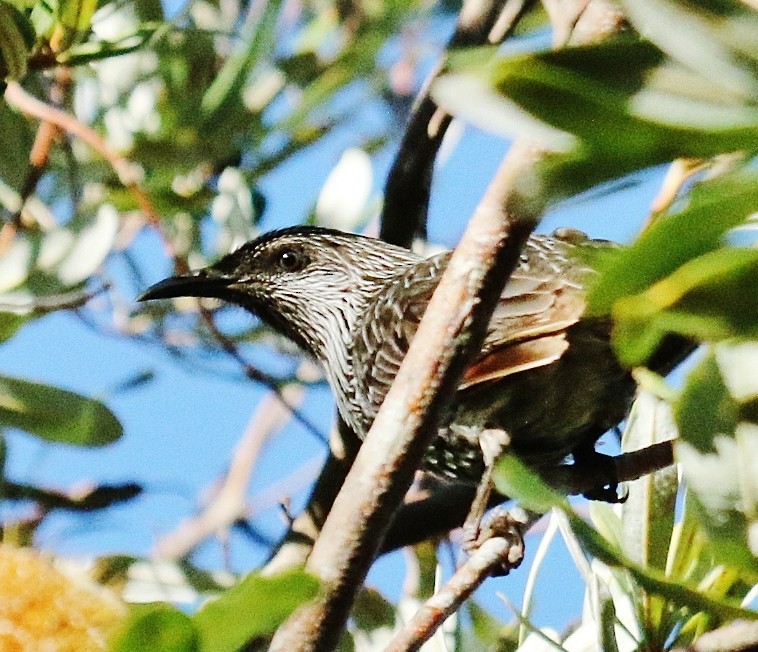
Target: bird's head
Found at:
x=308, y=283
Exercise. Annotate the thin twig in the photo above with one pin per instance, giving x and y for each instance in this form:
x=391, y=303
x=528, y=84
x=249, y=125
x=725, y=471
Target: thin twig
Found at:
x=51, y=303
x=256, y=375
x=297, y=544
x=86, y=499
x=229, y=502
x=488, y=558
x=17, y=97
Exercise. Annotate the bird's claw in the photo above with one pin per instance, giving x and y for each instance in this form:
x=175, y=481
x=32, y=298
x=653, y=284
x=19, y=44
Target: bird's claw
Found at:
x=608, y=493
x=507, y=524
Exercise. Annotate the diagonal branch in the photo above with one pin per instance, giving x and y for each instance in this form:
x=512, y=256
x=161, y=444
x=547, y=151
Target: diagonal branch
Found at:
x=383, y=470
x=16, y=96
x=487, y=559
x=451, y=330
x=408, y=187
x=406, y=201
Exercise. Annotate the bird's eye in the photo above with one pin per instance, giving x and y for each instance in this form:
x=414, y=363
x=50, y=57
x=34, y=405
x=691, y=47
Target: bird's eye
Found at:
x=291, y=261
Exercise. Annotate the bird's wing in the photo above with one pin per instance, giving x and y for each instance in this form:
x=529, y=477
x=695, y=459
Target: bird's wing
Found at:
x=542, y=299
x=527, y=329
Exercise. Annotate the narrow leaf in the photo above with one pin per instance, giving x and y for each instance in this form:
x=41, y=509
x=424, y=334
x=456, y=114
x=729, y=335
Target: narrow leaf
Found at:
x=157, y=628
x=712, y=209
x=55, y=414
x=718, y=455
x=253, y=608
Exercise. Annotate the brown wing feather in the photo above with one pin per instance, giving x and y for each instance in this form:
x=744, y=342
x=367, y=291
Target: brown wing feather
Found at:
x=515, y=358
x=542, y=299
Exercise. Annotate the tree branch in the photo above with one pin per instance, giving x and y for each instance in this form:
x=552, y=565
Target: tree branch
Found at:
x=408, y=187
x=487, y=559
x=383, y=470
x=443, y=506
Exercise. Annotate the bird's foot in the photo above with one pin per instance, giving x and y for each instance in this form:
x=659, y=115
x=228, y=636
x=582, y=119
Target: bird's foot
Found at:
x=602, y=467
x=509, y=524
x=608, y=493
x=492, y=443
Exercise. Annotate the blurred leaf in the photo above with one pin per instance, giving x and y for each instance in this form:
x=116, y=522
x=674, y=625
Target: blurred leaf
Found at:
x=654, y=581
x=514, y=479
x=90, y=51
x=718, y=39
x=16, y=41
x=226, y=89
x=712, y=208
x=99, y=497
x=719, y=457
x=55, y=414
x=75, y=20
x=425, y=553
x=157, y=628
x=648, y=513
x=10, y=323
x=688, y=559
x=655, y=112
x=253, y=608
x=607, y=622
x=371, y=610
x=487, y=633
x=76, y=252
x=15, y=263
x=137, y=380
x=16, y=137
x=711, y=298
x=302, y=67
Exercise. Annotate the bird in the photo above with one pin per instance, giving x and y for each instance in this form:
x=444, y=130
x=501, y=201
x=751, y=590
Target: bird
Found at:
x=546, y=374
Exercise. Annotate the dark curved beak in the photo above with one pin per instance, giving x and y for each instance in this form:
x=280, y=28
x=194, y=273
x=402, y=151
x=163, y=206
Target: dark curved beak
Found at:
x=203, y=283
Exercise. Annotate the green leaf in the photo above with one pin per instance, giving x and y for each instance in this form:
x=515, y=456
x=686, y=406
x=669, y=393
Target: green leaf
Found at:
x=16, y=41
x=719, y=457
x=488, y=633
x=605, y=124
x=16, y=138
x=513, y=478
x=653, y=580
x=9, y=323
x=56, y=415
x=253, y=608
x=372, y=611
x=711, y=298
x=718, y=39
x=90, y=51
x=157, y=628
x=226, y=89
x=75, y=16
x=712, y=209
x=648, y=513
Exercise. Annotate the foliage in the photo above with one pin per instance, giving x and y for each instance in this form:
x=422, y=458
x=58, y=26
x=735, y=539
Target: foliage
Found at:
x=160, y=122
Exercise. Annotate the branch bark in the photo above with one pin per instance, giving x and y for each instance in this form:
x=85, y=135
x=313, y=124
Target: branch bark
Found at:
x=408, y=187
x=383, y=470
x=451, y=331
